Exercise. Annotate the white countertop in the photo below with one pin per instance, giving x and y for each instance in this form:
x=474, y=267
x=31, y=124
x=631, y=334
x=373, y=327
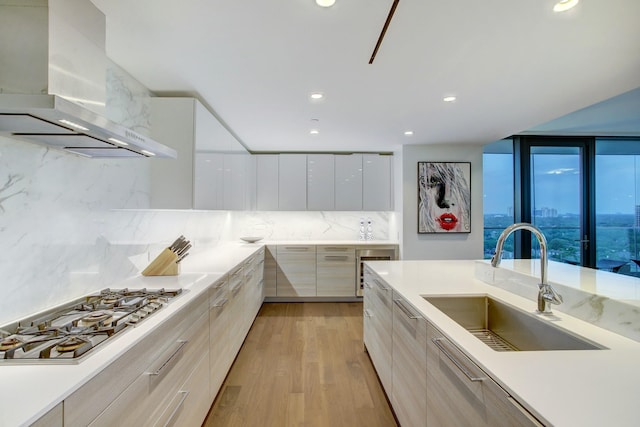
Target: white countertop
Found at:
x=566, y=388
x=35, y=388
x=331, y=242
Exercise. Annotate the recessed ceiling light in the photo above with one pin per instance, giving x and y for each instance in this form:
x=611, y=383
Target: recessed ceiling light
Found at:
x=449, y=98
x=563, y=5
x=314, y=131
x=317, y=95
x=409, y=133
x=325, y=3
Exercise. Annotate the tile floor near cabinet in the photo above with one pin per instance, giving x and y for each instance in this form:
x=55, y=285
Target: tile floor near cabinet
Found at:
x=303, y=364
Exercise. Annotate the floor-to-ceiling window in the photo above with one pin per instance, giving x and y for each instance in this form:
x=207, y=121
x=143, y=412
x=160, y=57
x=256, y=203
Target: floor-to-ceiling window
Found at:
x=583, y=193
x=498, y=195
x=618, y=204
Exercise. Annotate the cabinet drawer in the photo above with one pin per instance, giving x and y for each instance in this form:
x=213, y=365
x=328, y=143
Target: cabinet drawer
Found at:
x=190, y=404
x=335, y=250
x=296, y=274
x=336, y=271
x=236, y=278
x=218, y=290
x=270, y=269
x=460, y=393
x=92, y=398
x=378, y=331
x=162, y=379
x=220, y=357
x=409, y=396
x=53, y=418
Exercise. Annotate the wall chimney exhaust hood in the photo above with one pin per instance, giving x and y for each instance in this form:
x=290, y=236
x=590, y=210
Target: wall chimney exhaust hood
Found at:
x=53, y=81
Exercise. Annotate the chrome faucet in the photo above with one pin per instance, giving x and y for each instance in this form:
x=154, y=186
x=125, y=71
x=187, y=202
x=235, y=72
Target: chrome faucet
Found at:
x=546, y=294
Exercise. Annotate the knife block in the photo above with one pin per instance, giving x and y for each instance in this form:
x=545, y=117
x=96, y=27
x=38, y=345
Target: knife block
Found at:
x=164, y=265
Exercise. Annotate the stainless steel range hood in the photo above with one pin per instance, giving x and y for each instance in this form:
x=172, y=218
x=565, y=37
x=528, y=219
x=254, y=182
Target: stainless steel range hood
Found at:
x=52, y=53
x=54, y=121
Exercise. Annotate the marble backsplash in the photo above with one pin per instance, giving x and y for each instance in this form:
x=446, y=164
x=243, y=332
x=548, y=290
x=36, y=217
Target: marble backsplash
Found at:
x=71, y=225
x=610, y=301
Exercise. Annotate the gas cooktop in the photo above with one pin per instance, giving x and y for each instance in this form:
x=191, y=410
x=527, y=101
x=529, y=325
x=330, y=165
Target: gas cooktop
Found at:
x=67, y=333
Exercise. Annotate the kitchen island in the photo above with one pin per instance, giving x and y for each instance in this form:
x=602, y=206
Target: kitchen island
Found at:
x=561, y=388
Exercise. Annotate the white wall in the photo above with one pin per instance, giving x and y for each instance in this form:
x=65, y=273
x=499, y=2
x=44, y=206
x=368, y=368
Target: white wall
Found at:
x=440, y=245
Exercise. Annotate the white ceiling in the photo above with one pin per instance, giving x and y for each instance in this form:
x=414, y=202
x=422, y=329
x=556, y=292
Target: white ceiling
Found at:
x=513, y=64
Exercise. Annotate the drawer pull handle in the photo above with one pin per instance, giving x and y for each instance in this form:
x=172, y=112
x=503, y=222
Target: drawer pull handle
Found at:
x=172, y=418
x=221, y=302
x=296, y=248
x=380, y=285
x=405, y=310
x=161, y=368
x=367, y=313
x=367, y=285
x=236, y=288
x=336, y=249
x=455, y=361
x=336, y=257
x=220, y=284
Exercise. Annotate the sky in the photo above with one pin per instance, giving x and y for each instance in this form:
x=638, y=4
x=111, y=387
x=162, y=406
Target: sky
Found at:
x=557, y=183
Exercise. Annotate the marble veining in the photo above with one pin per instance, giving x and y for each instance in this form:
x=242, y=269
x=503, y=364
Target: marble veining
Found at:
x=71, y=225
x=128, y=102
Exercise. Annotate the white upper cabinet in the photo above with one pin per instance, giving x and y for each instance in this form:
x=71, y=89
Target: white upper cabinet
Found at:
x=172, y=124
x=212, y=171
x=320, y=182
x=323, y=182
x=266, y=182
x=292, y=182
x=348, y=182
x=209, y=181
x=236, y=178
x=376, y=176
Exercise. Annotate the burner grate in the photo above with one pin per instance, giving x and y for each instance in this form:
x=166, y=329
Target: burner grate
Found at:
x=66, y=333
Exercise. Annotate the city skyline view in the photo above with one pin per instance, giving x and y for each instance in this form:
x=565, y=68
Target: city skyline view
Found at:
x=557, y=183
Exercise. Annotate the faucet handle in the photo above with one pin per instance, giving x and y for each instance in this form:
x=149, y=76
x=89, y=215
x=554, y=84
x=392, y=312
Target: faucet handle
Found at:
x=550, y=295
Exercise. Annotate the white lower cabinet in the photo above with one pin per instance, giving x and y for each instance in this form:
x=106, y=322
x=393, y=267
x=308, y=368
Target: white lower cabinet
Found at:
x=336, y=271
x=53, y=418
x=150, y=398
x=378, y=321
x=254, y=293
x=296, y=274
x=461, y=394
x=409, y=369
x=270, y=271
x=190, y=404
x=236, y=309
x=172, y=375
x=220, y=356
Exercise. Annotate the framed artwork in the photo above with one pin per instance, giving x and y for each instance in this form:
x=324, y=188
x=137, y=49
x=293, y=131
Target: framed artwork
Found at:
x=444, y=197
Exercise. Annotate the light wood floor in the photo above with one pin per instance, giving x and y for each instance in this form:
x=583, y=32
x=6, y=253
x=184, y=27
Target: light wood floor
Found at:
x=303, y=364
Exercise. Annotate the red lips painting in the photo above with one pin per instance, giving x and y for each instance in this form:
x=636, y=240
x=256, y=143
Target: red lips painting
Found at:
x=444, y=197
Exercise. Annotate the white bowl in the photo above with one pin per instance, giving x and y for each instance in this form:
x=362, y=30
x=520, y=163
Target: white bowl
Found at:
x=251, y=239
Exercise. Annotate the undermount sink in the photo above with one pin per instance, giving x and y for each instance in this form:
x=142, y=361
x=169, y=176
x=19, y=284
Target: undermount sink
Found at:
x=505, y=328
